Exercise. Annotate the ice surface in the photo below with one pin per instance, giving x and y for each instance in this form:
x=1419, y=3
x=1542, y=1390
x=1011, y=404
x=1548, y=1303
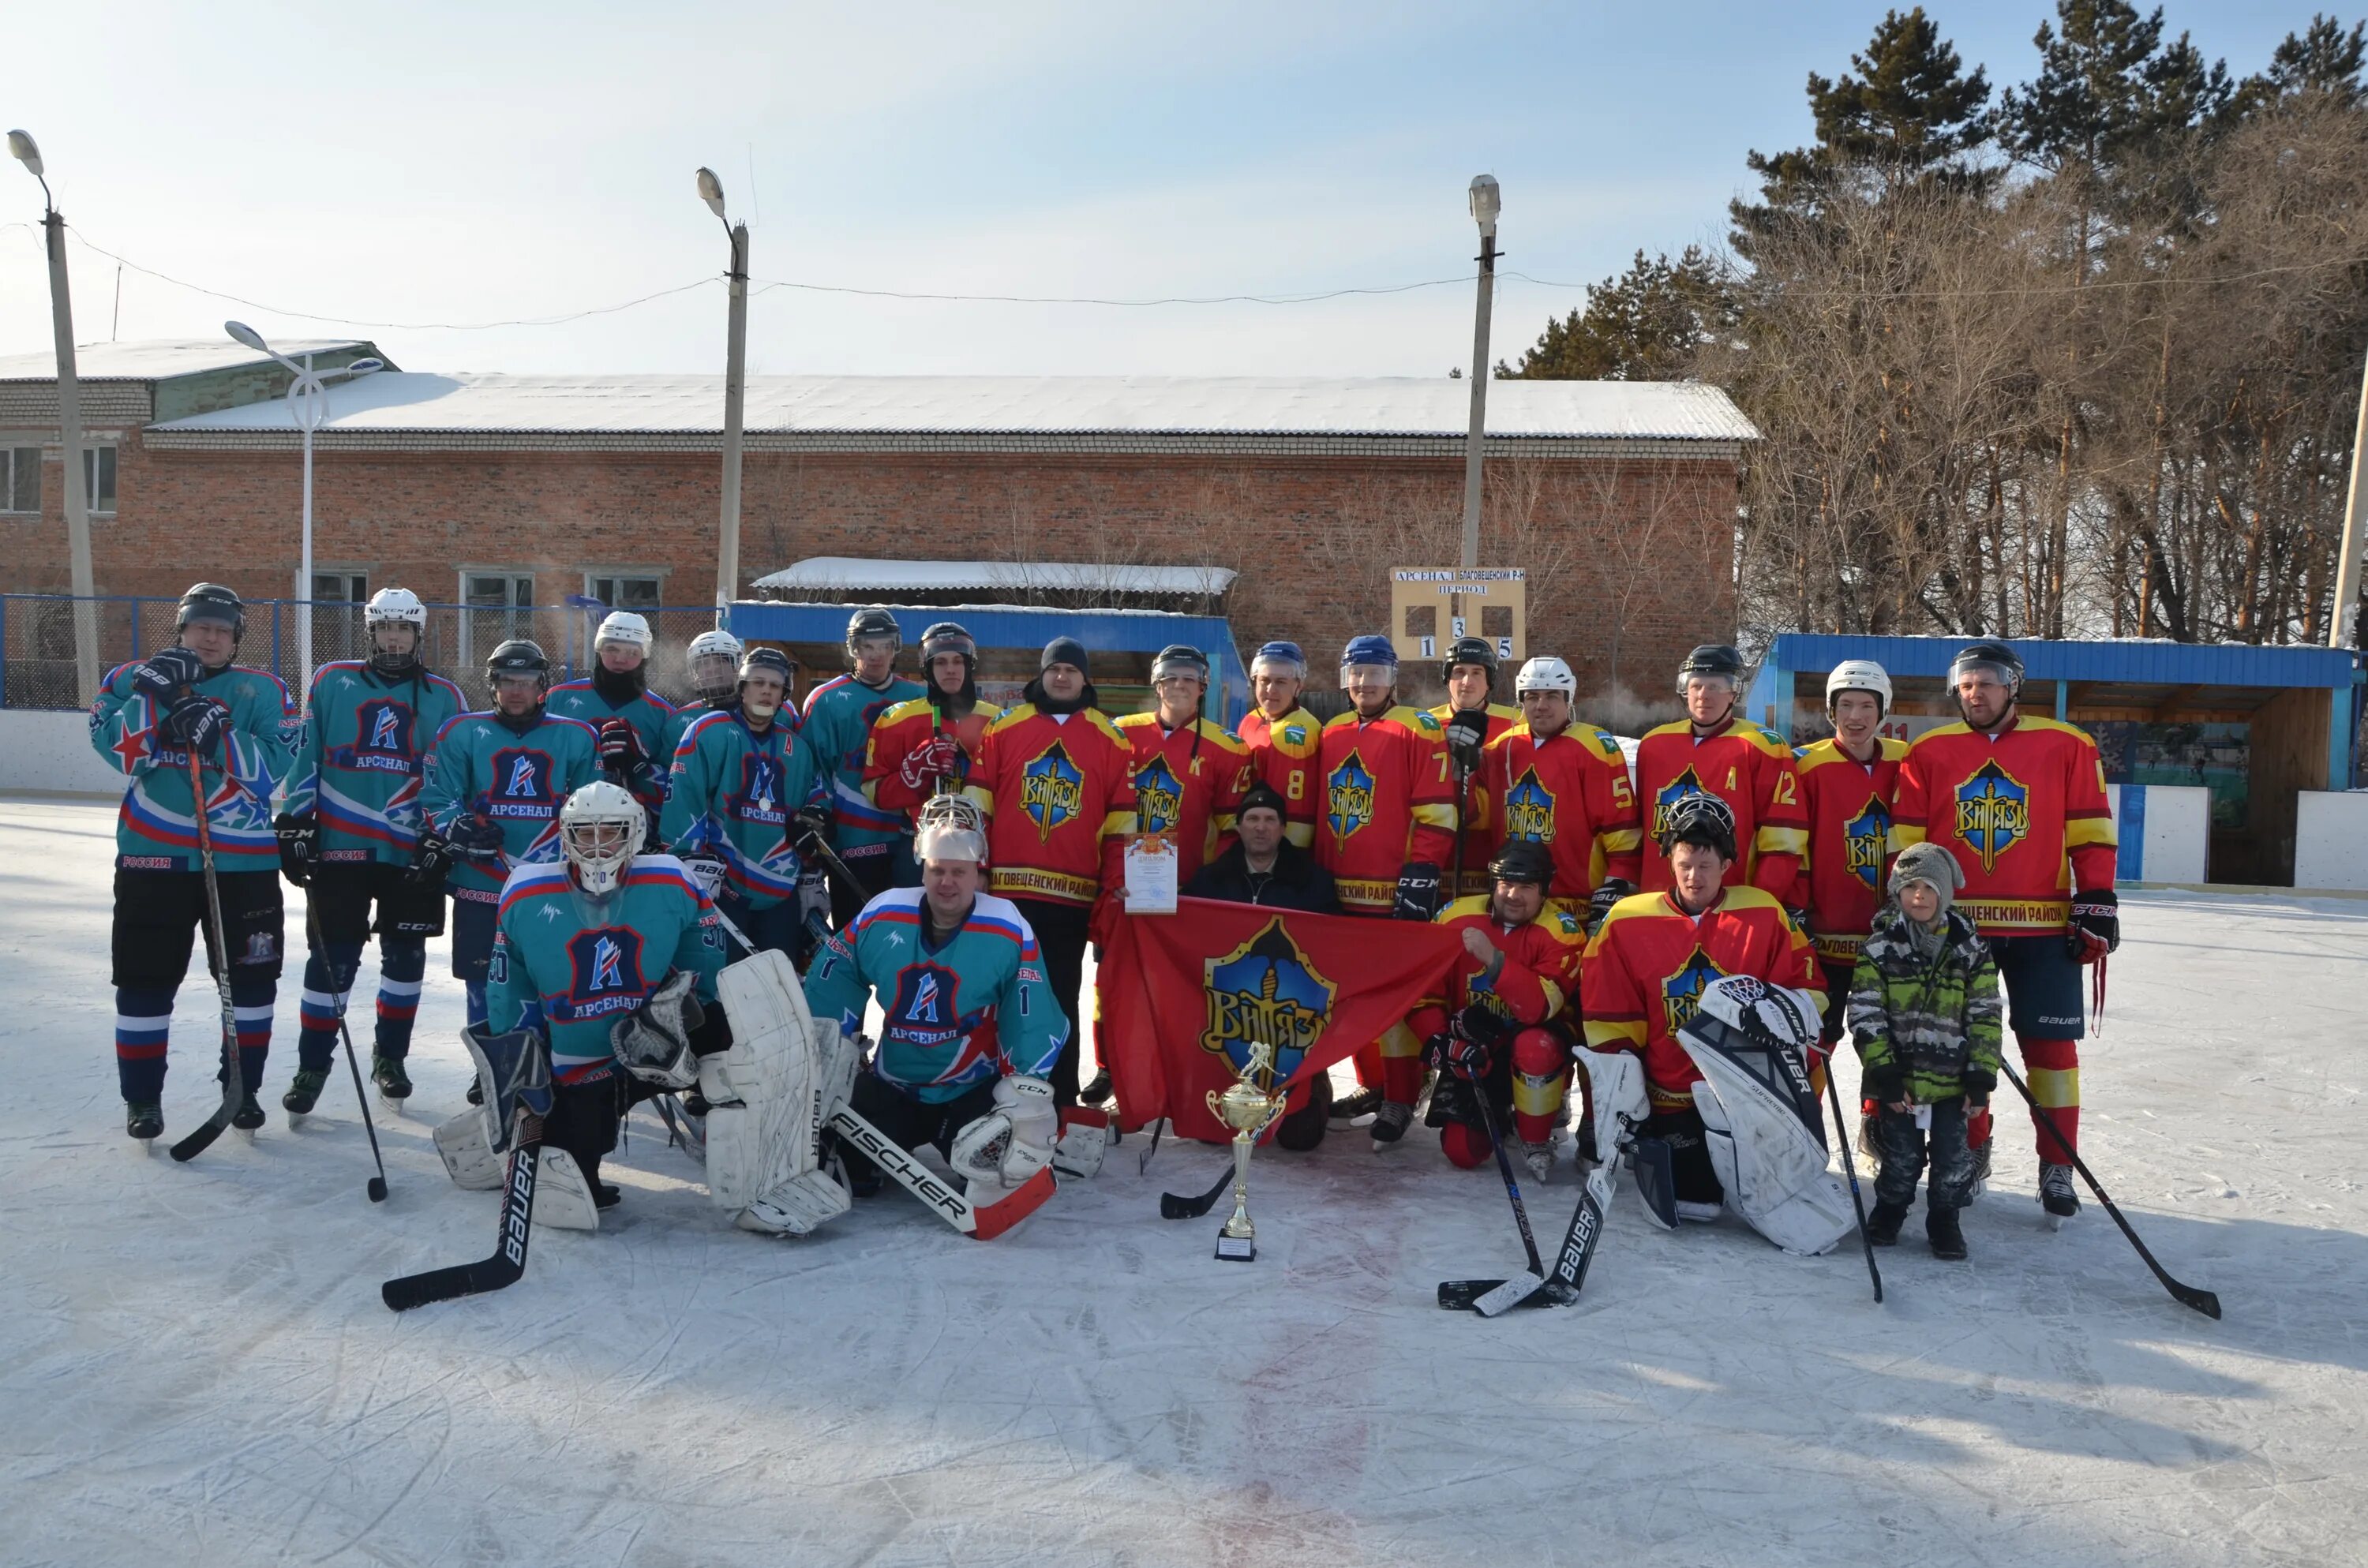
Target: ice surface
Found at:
x=195, y=1367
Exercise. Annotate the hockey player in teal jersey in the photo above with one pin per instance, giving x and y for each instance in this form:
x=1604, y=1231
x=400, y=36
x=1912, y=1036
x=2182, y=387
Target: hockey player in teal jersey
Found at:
x=971, y=1029
x=714, y=660
x=617, y=702
x=495, y=781
x=748, y=801
x=348, y=824
x=149, y=717
x=582, y=944
x=838, y=718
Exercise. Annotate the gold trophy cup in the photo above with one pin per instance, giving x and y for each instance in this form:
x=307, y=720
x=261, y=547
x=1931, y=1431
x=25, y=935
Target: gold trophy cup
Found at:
x=1248, y=1108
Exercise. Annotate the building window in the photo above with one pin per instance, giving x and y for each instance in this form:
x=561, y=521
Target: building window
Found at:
x=98, y=477
x=340, y=587
x=500, y=605
x=624, y=591
x=20, y=468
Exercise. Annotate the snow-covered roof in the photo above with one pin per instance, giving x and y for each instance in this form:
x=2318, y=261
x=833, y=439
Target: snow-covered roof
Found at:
x=1130, y=409
x=158, y=361
x=847, y=573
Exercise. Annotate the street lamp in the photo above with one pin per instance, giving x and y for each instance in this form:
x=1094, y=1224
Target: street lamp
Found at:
x=735, y=375
x=85, y=616
x=308, y=403
x=1485, y=204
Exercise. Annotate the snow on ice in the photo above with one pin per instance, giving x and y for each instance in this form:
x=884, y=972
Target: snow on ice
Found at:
x=195, y=1367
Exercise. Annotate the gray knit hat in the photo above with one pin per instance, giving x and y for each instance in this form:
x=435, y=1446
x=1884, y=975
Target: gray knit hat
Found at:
x=1932, y=865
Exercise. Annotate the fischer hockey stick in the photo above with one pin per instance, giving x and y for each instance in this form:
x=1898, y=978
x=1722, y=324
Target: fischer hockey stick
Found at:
x=234, y=1074
x=1850, y=1164
x=377, y=1187
x=508, y=1259
x=980, y=1221
x=2203, y=1301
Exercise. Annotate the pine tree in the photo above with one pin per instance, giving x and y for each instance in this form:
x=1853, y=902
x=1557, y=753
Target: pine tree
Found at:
x=1644, y=324
x=2322, y=62
x=2108, y=88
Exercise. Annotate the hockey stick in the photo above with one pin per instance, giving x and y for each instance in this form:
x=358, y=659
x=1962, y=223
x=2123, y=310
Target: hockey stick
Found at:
x=508, y=1259
x=377, y=1187
x=980, y=1221
x=1176, y=1206
x=2203, y=1301
x=1530, y=1289
x=233, y=1073
x=1850, y=1164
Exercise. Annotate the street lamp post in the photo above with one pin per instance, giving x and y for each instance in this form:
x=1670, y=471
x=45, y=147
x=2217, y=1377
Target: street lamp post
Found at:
x=308, y=403
x=1485, y=207
x=736, y=377
x=86, y=614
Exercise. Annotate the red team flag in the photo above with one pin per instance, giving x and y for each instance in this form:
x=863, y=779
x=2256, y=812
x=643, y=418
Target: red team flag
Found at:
x=1183, y=995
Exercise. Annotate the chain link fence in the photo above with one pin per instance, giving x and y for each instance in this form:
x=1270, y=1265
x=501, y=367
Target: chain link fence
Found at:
x=37, y=641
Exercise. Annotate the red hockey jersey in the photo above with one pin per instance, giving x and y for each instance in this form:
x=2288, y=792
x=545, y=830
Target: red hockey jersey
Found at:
x=1849, y=802
x=904, y=730
x=1283, y=756
x=1058, y=803
x=2024, y=811
x=1387, y=801
x=1187, y=784
x=1475, y=826
x=1570, y=793
x=1646, y=968
x=1539, y=979
x=1748, y=768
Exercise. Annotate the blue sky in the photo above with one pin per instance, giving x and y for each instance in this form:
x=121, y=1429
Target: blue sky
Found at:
x=451, y=163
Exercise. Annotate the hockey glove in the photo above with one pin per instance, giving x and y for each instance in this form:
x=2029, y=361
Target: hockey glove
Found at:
x=813, y=896
x=808, y=826
x=431, y=859
x=1466, y=1059
x=1466, y=730
x=706, y=868
x=299, y=841
x=925, y=765
x=653, y=1042
x=1979, y=1084
x=1600, y=903
x=621, y=745
x=2096, y=928
x=163, y=673
x=1418, y=896
x=1884, y=1084
x=476, y=837
x=196, y=725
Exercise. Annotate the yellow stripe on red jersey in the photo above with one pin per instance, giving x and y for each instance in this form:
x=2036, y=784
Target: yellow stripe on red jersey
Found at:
x=1841, y=879
x=2025, y=813
x=1748, y=766
x=1187, y=784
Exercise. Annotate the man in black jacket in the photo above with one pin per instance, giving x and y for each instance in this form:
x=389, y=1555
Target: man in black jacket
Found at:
x=1264, y=868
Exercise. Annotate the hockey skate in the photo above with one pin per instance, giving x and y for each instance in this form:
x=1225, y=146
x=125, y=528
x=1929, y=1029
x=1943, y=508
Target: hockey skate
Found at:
x=393, y=1083
x=2057, y=1195
x=144, y=1120
x=303, y=1094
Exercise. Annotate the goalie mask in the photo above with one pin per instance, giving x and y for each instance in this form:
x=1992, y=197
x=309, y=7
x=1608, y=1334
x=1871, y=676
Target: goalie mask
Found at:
x=951, y=828
x=601, y=829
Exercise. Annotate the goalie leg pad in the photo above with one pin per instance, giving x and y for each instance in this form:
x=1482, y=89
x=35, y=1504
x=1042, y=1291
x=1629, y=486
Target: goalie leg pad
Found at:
x=797, y=1206
x=760, y=1092
x=470, y=1160
x=1615, y=1096
x=561, y=1200
x=513, y=1074
x=1773, y=1171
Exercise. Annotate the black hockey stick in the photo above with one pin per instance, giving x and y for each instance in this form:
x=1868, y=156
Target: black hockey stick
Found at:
x=1530, y=1289
x=1176, y=1206
x=234, y=1074
x=2203, y=1301
x=1850, y=1164
x=377, y=1187
x=508, y=1259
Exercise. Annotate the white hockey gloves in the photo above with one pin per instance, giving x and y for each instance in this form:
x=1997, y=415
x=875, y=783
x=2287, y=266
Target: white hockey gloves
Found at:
x=1014, y=1140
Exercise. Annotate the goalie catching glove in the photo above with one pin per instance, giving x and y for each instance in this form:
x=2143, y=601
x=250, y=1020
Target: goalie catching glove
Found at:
x=654, y=1042
x=1014, y=1141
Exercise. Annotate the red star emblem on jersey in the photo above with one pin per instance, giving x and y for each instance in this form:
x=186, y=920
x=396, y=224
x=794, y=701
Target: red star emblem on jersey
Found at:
x=131, y=748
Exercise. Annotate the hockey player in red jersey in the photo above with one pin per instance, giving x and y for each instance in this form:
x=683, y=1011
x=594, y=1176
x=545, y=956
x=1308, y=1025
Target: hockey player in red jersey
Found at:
x=1646, y=968
x=1554, y=781
x=2019, y=800
x=1282, y=737
x=1188, y=774
x=1469, y=721
x=1716, y=751
x=1386, y=828
x=930, y=743
x=1847, y=785
x=1506, y=1028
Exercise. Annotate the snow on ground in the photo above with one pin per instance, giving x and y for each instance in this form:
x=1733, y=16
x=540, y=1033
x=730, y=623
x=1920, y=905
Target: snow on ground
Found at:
x=195, y=1367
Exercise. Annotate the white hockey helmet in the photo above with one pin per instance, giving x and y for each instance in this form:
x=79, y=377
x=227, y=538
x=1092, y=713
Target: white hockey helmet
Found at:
x=624, y=626
x=396, y=605
x=951, y=828
x=601, y=829
x=1859, y=675
x=717, y=642
x=1546, y=675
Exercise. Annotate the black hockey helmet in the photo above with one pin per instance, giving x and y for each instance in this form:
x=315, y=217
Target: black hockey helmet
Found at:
x=950, y=637
x=768, y=660
x=1711, y=659
x=1699, y=819
x=518, y=656
x=1180, y=659
x=1524, y=861
x=1470, y=651
x=212, y=601
x=1997, y=657
x=873, y=620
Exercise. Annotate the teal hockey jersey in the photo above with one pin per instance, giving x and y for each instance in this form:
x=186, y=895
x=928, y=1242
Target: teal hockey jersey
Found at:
x=651, y=716
x=478, y=765
x=582, y=962
x=972, y=1009
x=157, y=828
x=361, y=766
x=840, y=716
x=733, y=791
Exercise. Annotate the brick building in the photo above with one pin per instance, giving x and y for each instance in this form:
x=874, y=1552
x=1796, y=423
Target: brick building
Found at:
x=1620, y=498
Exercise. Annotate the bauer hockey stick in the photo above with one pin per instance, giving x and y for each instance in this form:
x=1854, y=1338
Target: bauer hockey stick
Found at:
x=1491, y=1296
x=233, y=1074
x=508, y=1259
x=2203, y=1301
x=1850, y=1164
x=343, y=982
